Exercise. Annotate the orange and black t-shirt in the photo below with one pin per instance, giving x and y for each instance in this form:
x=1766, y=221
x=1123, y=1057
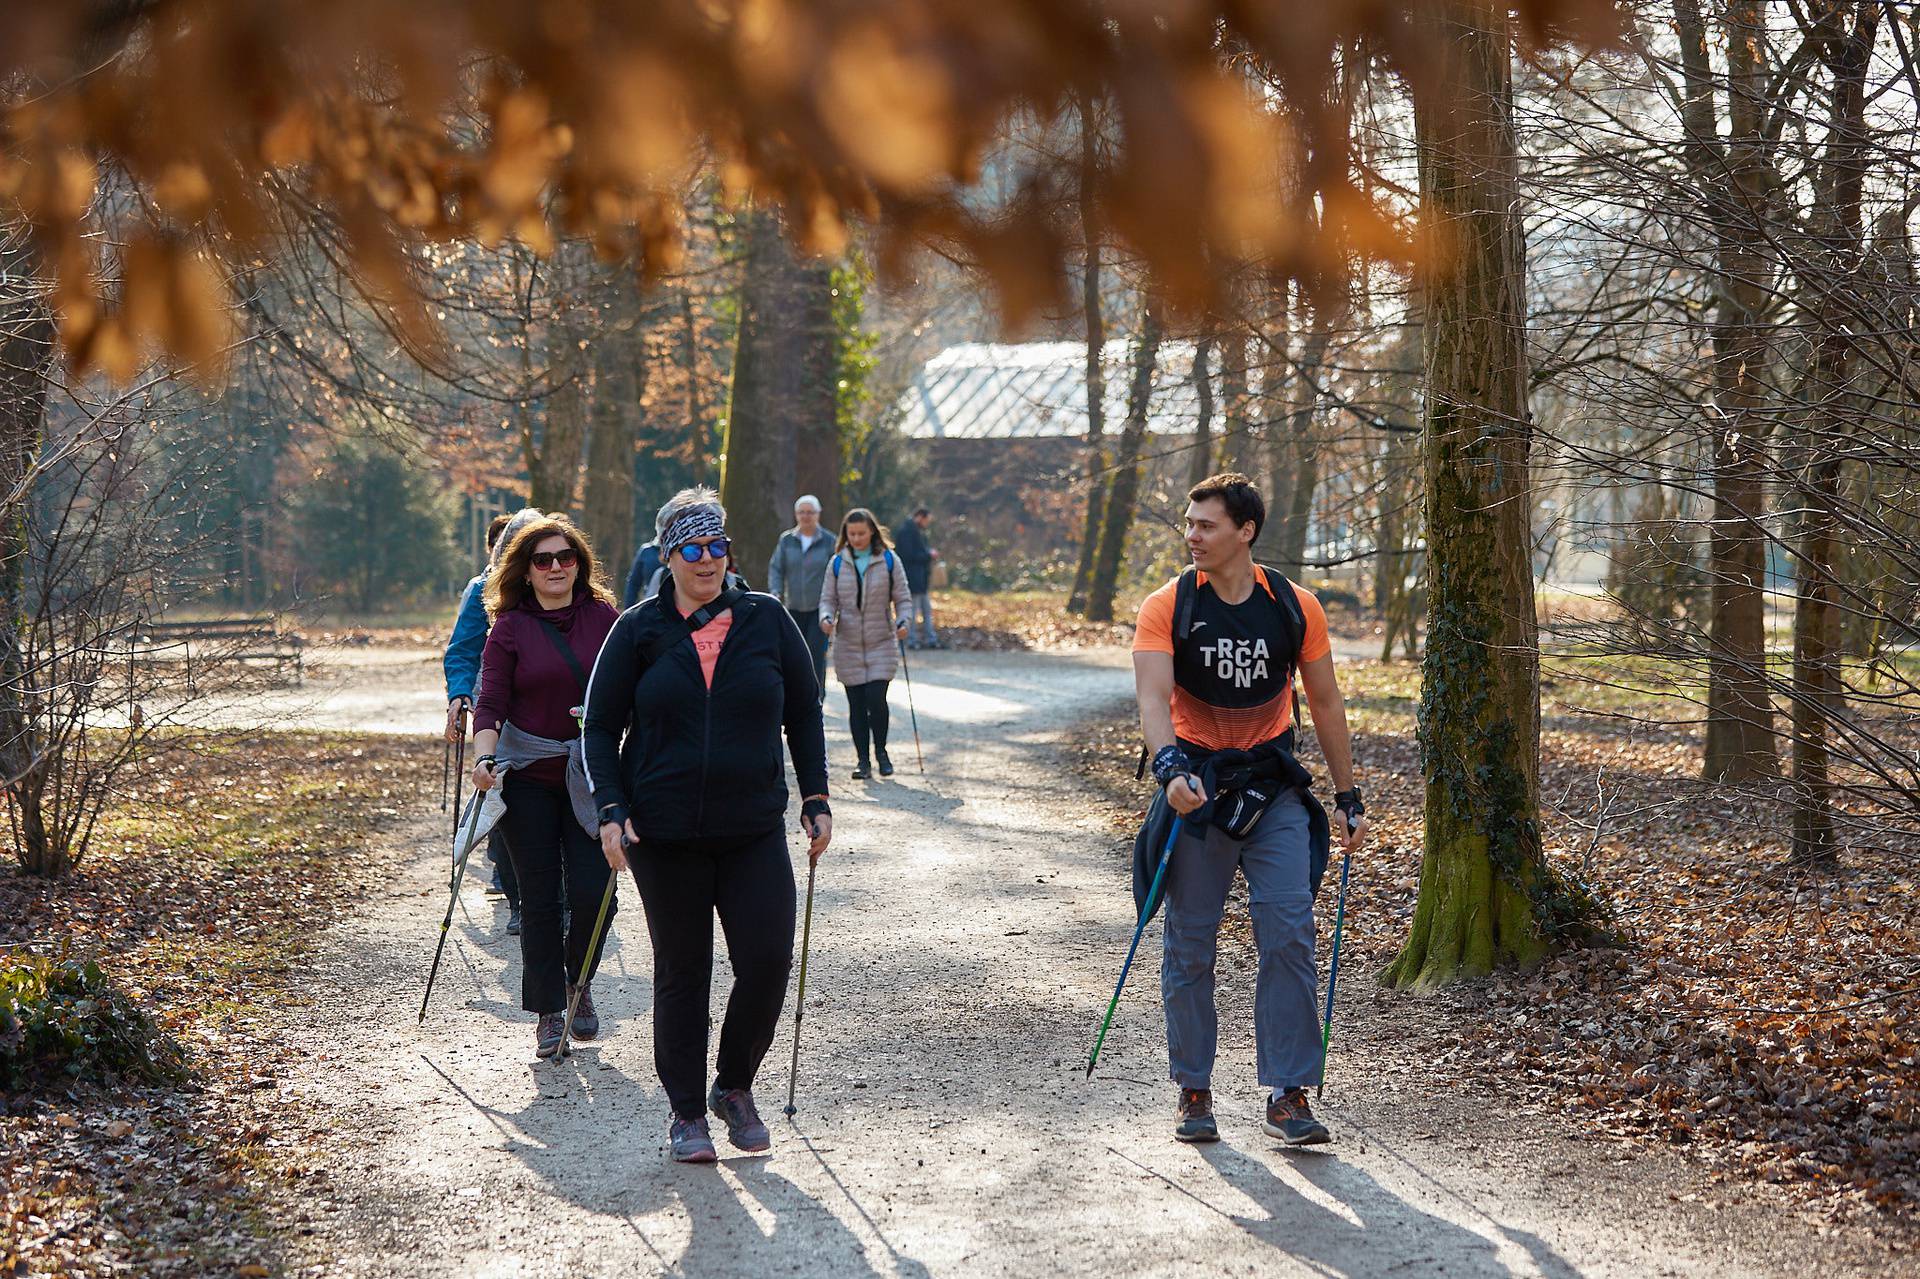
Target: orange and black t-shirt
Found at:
x=1231, y=686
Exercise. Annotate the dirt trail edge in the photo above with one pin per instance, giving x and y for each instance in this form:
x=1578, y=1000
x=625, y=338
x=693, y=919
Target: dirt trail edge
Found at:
x=967, y=930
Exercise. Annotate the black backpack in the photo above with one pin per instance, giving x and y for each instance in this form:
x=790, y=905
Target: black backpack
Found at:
x=1293, y=618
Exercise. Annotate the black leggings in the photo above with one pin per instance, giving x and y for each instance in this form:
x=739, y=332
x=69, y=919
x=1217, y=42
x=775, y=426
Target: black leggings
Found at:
x=557, y=863
x=867, y=713
x=749, y=882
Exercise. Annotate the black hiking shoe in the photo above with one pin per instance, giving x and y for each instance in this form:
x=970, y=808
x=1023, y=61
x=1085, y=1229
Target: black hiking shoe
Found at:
x=1196, y=1116
x=689, y=1142
x=734, y=1107
x=886, y=761
x=586, y=1020
x=546, y=1035
x=513, y=919
x=862, y=771
x=1289, y=1119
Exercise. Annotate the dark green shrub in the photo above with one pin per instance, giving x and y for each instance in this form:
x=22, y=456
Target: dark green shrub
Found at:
x=61, y=1021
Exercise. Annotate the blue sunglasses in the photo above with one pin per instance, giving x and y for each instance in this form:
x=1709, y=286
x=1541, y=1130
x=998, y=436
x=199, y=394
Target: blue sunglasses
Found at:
x=717, y=548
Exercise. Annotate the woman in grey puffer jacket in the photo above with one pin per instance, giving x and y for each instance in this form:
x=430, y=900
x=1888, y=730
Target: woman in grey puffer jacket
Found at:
x=864, y=605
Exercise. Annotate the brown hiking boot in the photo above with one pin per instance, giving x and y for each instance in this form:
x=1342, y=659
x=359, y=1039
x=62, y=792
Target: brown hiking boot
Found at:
x=1196, y=1116
x=546, y=1035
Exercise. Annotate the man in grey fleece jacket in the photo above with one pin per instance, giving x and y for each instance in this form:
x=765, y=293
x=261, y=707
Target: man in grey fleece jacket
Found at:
x=795, y=574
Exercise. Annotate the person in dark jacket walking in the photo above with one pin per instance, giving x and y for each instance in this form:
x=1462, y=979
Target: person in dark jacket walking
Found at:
x=682, y=733
x=461, y=663
x=864, y=607
x=918, y=558
x=550, y=616
x=795, y=572
x=646, y=562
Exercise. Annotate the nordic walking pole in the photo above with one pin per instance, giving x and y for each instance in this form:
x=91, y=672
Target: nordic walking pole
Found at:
x=453, y=900
x=1146, y=912
x=460, y=762
x=911, y=713
x=800, y=997
x=593, y=950
x=446, y=767
x=1333, y=971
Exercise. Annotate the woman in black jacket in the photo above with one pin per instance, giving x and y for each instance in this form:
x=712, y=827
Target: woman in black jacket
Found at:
x=700, y=680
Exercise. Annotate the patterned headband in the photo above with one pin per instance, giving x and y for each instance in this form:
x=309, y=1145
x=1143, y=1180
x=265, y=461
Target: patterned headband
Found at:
x=698, y=521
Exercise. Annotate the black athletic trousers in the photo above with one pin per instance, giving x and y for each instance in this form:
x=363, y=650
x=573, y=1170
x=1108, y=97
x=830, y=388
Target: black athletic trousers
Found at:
x=556, y=863
x=867, y=713
x=749, y=883
x=503, y=860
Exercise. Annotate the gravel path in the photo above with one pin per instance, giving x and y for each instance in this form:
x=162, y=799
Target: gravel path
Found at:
x=967, y=930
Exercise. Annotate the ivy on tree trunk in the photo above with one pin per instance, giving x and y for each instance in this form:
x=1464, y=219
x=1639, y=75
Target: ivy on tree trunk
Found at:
x=1486, y=896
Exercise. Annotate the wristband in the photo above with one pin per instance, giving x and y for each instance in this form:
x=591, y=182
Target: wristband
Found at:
x=1348, y=802
x=488, y=760
x=614, y=814
x=1170, y=762
x=815, y=808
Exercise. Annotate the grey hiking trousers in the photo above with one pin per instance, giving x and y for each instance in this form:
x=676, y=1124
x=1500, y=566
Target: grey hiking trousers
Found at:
x=1286, y=1010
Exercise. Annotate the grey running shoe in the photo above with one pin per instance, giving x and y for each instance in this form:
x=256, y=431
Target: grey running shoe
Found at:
x=1196, y=1116
x=586, y=1020
x=735, y=1108
x=689, y=1142
x=1289, y=1119
x=546, y=1035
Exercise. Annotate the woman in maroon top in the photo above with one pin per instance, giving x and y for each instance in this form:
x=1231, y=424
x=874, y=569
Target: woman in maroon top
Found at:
x=550, y=616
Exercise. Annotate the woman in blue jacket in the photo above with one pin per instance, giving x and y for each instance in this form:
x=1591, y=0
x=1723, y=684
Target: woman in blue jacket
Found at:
x=685, y=711
x=461, y=663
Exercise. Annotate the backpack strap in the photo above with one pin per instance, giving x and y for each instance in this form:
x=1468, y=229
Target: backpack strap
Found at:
x=566, y=651
x=1183, y=593
x=1293, y=615
x=672, y=634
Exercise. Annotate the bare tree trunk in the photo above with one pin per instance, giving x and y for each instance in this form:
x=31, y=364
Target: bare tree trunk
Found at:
x=26, y=359
x=1094, y=319
x=783, y=382
x=1831, y=404
x=1125, y=490
x=1294, y=502
x=1486, y=896
x=1235, y=402
x=619, y=387
x=1200, y=465
x=1732, y=181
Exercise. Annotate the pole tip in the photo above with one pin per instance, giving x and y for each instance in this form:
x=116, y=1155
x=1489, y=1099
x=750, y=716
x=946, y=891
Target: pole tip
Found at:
x=788, y=1111
x=1089, y=1070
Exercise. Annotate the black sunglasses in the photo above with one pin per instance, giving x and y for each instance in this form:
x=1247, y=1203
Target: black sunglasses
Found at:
x=717, y=548
x=544, y=560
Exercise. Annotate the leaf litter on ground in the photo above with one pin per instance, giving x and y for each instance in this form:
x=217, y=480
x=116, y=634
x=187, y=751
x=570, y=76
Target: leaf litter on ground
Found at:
x=201, y=894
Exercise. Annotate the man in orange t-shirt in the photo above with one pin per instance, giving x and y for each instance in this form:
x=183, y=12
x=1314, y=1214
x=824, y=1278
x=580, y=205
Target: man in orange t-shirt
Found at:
x=1228, y=685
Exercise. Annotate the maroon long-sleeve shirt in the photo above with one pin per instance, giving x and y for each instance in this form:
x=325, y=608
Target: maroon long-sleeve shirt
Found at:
x=523, y=677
